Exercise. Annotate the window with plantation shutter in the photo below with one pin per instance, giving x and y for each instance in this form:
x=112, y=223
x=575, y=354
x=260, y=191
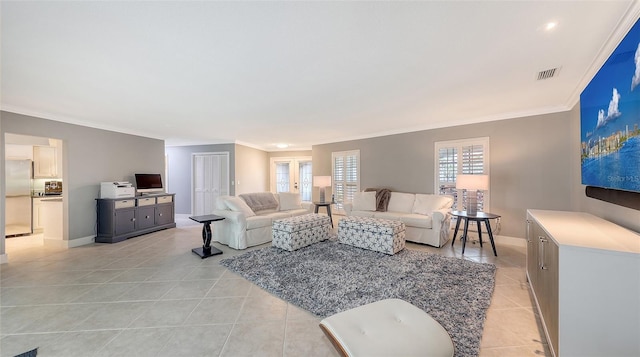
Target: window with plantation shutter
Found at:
x=346, y=177
x=468, y=156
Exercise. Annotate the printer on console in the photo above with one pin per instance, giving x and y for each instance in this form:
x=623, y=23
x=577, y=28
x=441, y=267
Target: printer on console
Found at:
x=116, y=190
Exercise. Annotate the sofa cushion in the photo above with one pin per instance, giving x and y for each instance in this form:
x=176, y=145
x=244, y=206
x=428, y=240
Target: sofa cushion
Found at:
x=393, y=216
x=425, y=204
x=416, y=220
x=259, y=201
x=401, y=202
x=238, y=205
x=364, y=201
x=258, y=221
x=289, y=201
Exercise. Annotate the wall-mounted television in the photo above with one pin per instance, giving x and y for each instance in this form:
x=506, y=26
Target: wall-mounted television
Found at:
x=610, y=120
x=149, y=183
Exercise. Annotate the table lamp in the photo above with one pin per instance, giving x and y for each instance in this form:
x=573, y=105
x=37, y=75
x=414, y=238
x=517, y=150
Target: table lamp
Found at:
x=322, y=182
x=473, y=184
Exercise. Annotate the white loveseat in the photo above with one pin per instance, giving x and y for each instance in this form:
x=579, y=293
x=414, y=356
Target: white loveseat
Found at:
x=425, y=215
x=244, y=227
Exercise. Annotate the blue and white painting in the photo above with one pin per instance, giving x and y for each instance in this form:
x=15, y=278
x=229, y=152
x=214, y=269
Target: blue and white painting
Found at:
x=610, y=120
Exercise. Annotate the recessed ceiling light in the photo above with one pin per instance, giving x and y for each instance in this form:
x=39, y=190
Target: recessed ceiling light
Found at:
x=282, y=146
x=550, y=25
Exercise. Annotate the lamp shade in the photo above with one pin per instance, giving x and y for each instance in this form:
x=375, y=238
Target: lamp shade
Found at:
x=473, y=182
x=322, y=181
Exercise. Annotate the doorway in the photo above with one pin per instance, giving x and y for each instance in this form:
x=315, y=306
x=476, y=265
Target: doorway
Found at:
x=209, y=179
x=292, y=174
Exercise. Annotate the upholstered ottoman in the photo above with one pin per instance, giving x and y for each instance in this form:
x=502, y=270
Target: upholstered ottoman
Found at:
x=391, y=327
x=300, y=231
x=381, y=235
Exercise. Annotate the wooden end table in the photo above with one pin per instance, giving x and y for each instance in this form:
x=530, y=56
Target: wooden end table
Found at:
x=478, y=217
x=326, y=205
x=206, y=250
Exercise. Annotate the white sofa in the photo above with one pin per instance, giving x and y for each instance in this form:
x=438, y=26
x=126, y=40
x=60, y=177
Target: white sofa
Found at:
x=243, y=227
x=425, y=215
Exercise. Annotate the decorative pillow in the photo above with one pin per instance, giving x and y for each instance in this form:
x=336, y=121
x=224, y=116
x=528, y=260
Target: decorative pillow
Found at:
x=401, y=202
x=238, y=205
x=289, y=201
x=364, y=201
x=426, y=204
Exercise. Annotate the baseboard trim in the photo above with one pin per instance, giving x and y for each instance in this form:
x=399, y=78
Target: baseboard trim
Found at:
x=4, y=258
x=81, y=241
x=66, y=244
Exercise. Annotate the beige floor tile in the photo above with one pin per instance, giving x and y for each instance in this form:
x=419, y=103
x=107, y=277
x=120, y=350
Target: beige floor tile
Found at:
x=137, y=342
x=230, y=287
x=510, y=328
x=263, y=308
x=296, y=313
x=189, y=289
x=115, y=315
x=196, y=341
x=81, y=343
x=267, y=339
x=166, y=313
x=305, y=338
x=216, y=311
x=13, y=345
x=105, y=292
x=148, y=291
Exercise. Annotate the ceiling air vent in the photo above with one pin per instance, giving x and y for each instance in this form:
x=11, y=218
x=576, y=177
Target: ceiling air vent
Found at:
x=546, y=74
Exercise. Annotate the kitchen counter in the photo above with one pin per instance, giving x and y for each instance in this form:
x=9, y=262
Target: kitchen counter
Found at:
x=52, y=217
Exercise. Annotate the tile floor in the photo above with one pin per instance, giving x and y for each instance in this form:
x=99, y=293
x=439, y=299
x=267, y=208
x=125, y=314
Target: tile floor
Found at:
x=150, y=296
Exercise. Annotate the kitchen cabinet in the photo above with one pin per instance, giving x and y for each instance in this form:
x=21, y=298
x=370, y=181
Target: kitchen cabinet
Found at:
x=584, y=273
x=45, y=161
x=51, y=217
x=37, y=214
x=123, y=218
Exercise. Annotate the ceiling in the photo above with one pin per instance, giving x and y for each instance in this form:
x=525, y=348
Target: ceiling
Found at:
x=300, y=73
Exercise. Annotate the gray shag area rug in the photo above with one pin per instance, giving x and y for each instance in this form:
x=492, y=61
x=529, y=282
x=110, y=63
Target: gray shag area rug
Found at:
x=329, y=277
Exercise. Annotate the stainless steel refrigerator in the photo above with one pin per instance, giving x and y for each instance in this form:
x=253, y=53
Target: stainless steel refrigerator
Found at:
x=18, y=197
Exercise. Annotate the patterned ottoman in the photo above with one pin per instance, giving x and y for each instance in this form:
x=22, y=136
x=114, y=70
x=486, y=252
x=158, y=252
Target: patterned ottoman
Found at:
x=381, y=235
x=300, y=231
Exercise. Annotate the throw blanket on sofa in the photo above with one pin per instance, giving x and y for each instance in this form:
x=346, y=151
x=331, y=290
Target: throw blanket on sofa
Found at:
x=260, y=201
x=382, y=198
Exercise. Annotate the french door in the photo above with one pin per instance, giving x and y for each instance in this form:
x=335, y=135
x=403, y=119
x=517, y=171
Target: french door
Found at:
x=209, y=179
x=292, y=174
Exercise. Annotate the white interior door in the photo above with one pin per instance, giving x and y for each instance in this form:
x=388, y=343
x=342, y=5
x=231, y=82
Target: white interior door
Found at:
x=292, y=174
x=210, y=179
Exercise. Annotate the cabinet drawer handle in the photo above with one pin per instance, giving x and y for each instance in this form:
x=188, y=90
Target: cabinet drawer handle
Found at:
x=133, y=219
x=147, y=217
x=541, y=259
x=160, y=214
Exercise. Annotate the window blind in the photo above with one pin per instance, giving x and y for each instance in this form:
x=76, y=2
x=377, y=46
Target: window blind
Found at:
x=346, y=177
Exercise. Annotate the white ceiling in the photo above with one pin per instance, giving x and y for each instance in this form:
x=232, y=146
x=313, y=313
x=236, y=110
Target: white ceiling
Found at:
x=302, y=73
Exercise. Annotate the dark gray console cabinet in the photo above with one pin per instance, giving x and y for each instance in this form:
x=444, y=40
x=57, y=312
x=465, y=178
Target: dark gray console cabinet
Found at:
x=123, y=218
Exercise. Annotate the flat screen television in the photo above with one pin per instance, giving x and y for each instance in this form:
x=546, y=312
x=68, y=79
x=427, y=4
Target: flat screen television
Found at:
x=149, y=183
x=610, y=120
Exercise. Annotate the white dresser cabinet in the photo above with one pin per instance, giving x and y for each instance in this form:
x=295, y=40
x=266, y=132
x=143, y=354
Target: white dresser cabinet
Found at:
x=585, y=275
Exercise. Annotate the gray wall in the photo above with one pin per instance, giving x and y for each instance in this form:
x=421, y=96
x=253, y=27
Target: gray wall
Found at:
x=179, y=171
x=530, y=158
x=90, y=156
x=2, y=176
x=252, y=170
